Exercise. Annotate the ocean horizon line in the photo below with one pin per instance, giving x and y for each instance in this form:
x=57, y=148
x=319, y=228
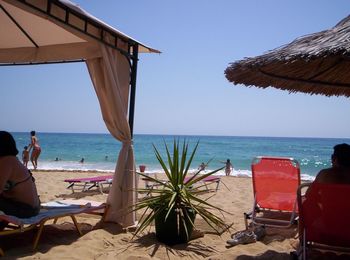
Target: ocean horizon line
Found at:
x=187, y=135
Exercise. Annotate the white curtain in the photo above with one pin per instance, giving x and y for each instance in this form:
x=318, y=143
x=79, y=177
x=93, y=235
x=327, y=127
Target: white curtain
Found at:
x=110, y=75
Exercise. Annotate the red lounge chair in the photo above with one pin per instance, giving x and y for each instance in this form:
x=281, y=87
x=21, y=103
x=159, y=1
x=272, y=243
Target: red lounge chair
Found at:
x=324, y=215
x=51, y=211
x=89, y=183
x=275, y=184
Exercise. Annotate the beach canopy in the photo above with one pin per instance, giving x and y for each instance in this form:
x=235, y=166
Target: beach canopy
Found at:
x=318, y=63
x=58, y=31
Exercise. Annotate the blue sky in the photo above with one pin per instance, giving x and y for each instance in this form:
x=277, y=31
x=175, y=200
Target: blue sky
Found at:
x=184, y=90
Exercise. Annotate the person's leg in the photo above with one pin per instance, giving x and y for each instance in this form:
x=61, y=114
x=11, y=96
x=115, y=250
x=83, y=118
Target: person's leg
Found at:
x=36, y=157
x=32, y=157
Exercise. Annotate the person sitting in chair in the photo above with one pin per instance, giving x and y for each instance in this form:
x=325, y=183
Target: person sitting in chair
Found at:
x=314, y=203
x=18, y=193
x=339, y=173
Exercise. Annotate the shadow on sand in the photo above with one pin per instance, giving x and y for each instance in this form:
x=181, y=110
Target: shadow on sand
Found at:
x=268, y=255
x=56, y=234
x=181, y=250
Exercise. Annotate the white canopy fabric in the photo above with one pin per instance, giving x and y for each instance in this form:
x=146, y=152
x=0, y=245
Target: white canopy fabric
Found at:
x=110, y=76
x=44, y=31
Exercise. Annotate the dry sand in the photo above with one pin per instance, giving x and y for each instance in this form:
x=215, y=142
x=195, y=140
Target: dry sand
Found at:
x=109, y=241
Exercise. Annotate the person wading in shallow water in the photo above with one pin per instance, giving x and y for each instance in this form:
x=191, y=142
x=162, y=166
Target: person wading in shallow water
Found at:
x=34, y=144
x=228, y=167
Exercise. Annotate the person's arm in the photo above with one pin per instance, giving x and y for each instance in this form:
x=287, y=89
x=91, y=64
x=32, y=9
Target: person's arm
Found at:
x=5, y=170
x=321, y=177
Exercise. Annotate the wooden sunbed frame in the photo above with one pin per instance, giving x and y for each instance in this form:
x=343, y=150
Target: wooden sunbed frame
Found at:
x=15, y=225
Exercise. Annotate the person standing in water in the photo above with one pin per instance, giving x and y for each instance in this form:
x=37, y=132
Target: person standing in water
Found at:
x=202, y=166
x=34, y=144
x=228, y=167
x=25, y=156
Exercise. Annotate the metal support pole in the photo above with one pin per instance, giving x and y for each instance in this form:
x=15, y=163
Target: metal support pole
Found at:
x=135, y=53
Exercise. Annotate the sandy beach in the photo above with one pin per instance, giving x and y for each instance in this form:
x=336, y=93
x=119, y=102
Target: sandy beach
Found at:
x=109, y=241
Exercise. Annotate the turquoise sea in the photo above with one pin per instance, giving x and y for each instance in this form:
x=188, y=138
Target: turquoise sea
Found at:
x=100, y=151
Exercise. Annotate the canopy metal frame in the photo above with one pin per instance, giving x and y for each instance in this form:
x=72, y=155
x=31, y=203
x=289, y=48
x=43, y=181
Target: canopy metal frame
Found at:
x=131, y=54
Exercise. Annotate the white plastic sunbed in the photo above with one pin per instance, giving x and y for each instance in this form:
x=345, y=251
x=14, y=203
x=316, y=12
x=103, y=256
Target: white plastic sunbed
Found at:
x=51, y=211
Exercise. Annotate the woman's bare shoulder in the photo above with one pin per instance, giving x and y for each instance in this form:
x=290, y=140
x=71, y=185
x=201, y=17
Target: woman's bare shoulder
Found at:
x=7, y=158
x=10, y=162
x=7, y=164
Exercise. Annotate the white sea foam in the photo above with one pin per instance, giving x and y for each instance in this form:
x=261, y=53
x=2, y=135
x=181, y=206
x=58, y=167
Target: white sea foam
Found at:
x=306, y=177
x=109, y=167
x=74, y=166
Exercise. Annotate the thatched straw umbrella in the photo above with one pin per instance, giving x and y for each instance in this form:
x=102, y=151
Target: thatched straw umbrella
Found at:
x=318, y=63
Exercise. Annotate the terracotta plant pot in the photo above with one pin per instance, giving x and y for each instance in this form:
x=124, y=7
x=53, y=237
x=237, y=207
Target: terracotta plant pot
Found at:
x=142, y=168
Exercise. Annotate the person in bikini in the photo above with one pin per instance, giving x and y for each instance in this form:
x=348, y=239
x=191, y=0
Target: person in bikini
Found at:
x=228, y=167
x=36, y=149
x=18, y=193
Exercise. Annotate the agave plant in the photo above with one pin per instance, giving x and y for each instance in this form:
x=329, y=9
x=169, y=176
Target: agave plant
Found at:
x=177, y=193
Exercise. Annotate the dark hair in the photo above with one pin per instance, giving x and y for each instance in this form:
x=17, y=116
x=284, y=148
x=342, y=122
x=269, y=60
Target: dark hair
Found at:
x=342, y=154
x=25, y=147
x=7, y=144
x=32, y=133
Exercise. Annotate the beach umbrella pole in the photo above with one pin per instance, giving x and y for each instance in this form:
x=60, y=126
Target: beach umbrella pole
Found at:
x=133, y=87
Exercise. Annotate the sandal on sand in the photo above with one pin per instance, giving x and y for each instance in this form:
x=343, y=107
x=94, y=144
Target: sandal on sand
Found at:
x=242, y=237
x=259, y=232
x=247, y=236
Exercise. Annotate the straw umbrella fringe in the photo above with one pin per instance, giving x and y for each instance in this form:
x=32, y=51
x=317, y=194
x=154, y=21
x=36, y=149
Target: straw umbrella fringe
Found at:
x=318, y=63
